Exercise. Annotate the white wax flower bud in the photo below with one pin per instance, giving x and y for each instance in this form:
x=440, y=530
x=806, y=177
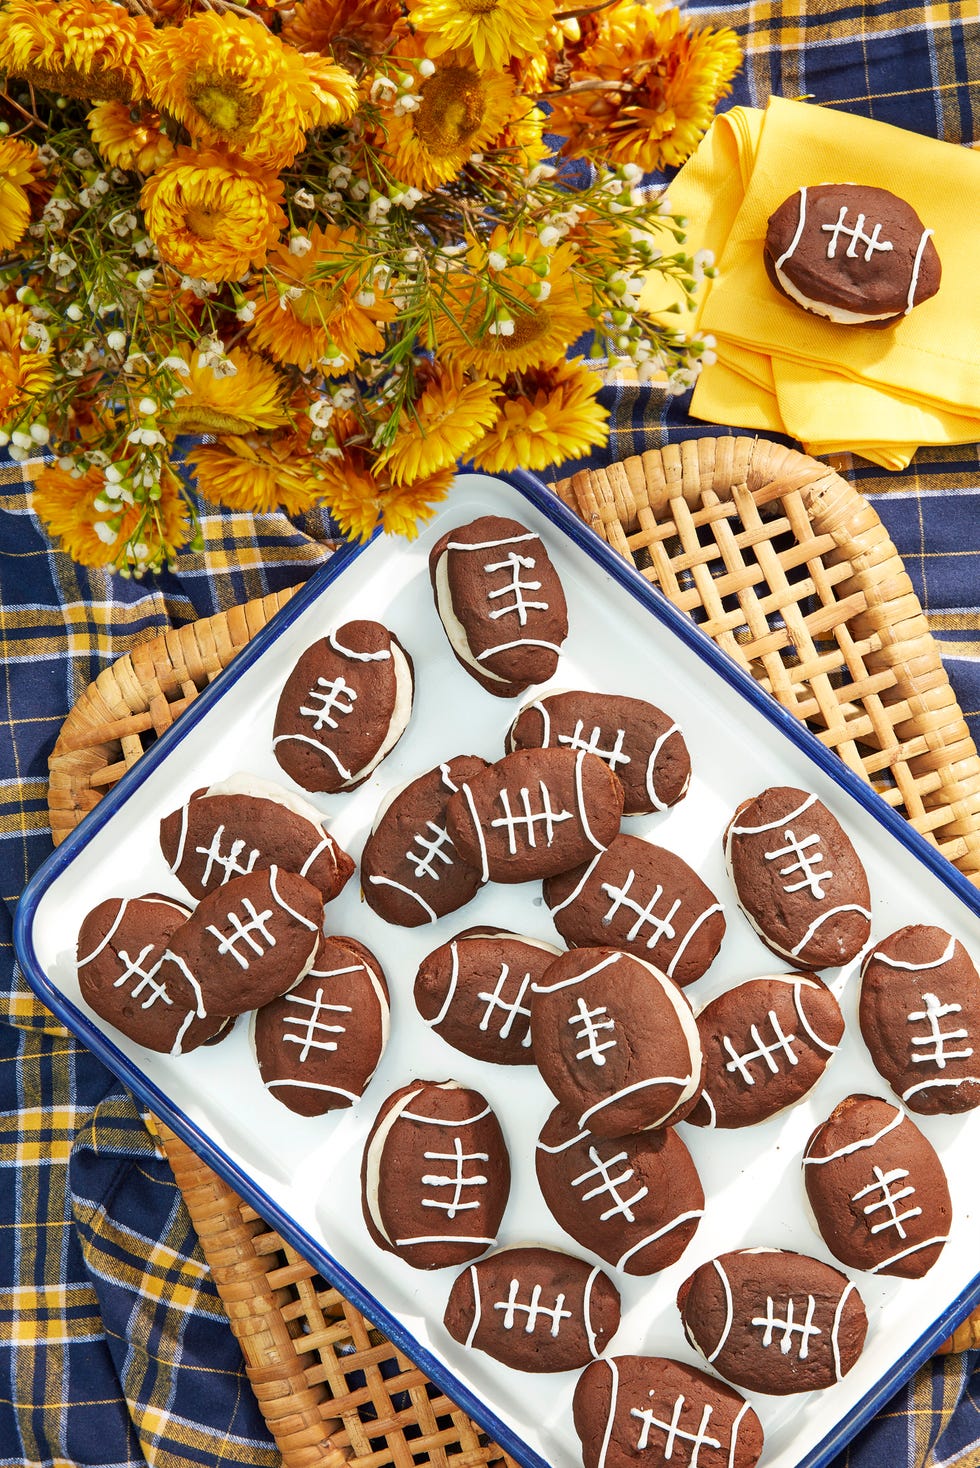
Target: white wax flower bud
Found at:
x=549, y=236
x=496, y=261
x=74, y=313
x=40, y=432
x=105, y=531
x=147, y=406
x=300, y=244
x=246, y=312
x=21, y=439
x=304, y=199
x=176, y=364
x=426, y=67
x=113, y=473
x=115, y=341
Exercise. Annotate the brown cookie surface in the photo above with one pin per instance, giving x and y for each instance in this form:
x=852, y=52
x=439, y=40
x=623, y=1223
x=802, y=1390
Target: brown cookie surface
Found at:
x=318, y=1046
x=245, y=823
x=343, y=707
x=639, y=742
x=766, y=1043
x=411, y=872
x=877, y=1189
x=636, y=1201
x=920, y=1018
x=651, y=1409
x=435, y=1175
x=774, y=1321
x=798, y=879
x=247, y=942
x=475, y=991
x=642, y=898
x=615, y=1041
x=535, y=813
x=855, y=254
x=501, y=603
x=126, y=976
x=534, y=1309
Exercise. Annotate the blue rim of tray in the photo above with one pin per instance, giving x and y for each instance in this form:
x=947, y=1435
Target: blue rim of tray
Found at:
x=656, y=604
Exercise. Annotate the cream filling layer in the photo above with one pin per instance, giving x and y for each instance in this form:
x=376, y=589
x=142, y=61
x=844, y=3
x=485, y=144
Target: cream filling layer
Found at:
x=455, y=630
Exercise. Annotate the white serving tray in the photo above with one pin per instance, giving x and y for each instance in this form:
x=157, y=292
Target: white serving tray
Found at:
x=302, y=1175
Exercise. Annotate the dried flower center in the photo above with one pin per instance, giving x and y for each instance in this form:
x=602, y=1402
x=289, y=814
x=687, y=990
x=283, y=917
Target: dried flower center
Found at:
x=229, y=109
x=95, y=85
x=452, y=109
x=479, y=7
x=196, y=418
x=202, y=221
x=528, y=326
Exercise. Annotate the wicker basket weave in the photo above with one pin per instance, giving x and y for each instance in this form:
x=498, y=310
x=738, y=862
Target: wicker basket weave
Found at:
x=792, y=573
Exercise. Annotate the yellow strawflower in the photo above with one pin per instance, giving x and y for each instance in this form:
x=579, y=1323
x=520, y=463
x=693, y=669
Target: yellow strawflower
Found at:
x=440, y=426
x=548, y=415
x=351, y=31
x=230, y=82
x=259, y=475
x=123, y=143
x=211, y=218
x=494, y=30
x=19, y=168
x=81, y=48
x=461, y=110
x=24, y=373
x=66, y=507
x=249, y=399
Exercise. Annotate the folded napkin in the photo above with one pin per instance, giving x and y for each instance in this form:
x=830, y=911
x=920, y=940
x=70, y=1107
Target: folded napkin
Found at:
x=877, y=392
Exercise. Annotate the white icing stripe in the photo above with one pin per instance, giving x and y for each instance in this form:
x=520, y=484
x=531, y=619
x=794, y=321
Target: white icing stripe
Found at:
x=390, y=882
x=655, y=800
x=835, y=1343
x=182, y=838
x=914, y=1249
x=484, y=867
x=729, y=1312
x=381, y=656
x=861, y=1143
x=563, y=1146
x=577, y=978
x=713, y=1118
x=916, y=267
x=475, y=545
x=613, y=1402
x=542, y=709
x=701, y=918
x=304, y=921
x=445, y=1120
x=926, y=1085
x=800, y=226
x=878, y=957
x=518, y=642
x=108, y=937
x=315, y=853
x=314, y=1086
x=651, y=1238
x=372, y=1163
x=447, y=779
x=199, y=1008
x=804, y=1022
x=586, y=1313
x=306, y=739
x=819, y=922
x=188, y=1020
x=772, y=825
x=477, y=1308
x=453, y=981
x=580, y=797
x=734, y=1433
x=446, y=1239
x=682, y=1081
x=559, y=907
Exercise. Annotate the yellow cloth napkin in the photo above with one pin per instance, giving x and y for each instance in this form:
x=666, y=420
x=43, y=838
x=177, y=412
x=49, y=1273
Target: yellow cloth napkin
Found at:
x=879, y=393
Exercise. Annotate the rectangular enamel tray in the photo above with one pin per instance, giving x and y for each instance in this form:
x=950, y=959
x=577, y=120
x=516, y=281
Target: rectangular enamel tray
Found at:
x=302, y=1175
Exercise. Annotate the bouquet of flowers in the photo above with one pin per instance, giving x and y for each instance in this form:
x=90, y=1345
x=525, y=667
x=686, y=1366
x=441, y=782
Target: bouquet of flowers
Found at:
x=342, y=244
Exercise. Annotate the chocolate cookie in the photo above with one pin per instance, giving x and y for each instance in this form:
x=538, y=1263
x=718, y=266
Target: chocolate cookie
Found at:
x=663, y=1413
x=774, y=1321
x=411, y=873
x=798, y=879
x=616, y=1041
x=534, y=1309
x=644, y=899
x=639, y=742
x=343, y=708
x=877, y=1189
x=247, y=942
x=125, y=974
x=766, y=1043
x=860, y=256
x=501, y=603
x=535, y=813
x=435, y=1175
x=319, y=1045
x=635, y=1201
x=245, y=823
x=920, y=1018
x=475, y=991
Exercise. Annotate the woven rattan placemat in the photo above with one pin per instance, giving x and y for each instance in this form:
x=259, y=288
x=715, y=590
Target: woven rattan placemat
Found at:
x=792, y=573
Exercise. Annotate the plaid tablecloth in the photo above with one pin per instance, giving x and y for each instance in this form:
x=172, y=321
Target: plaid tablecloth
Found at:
x=114, y=1348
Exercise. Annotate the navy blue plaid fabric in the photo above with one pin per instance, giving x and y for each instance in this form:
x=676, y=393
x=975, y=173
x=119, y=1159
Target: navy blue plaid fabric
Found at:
x=114, y=1349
